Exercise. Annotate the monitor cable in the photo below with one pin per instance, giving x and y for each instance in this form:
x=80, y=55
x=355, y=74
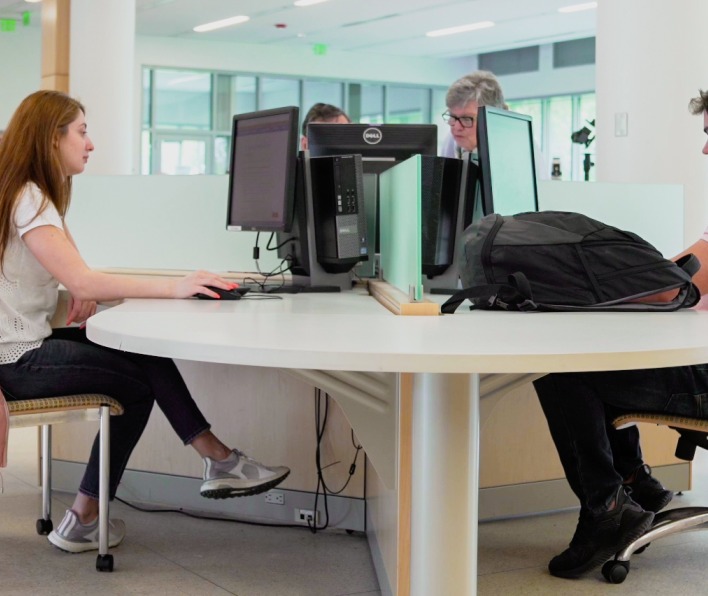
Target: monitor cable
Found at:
x=280, y=269
x=320, y=426
x=322, y=487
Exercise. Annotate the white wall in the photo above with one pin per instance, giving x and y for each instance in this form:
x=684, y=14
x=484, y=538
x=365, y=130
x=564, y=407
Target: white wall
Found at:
x=165, y=51
x=650, y=62
x=101, y=77
x=20, y=61
x=548, y=81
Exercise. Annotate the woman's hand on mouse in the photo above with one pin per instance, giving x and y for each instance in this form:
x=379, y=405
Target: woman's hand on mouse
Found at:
x=197, y=282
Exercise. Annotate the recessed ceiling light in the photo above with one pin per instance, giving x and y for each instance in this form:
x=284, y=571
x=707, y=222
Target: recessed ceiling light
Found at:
x=33, y=1
x=460, y=29
x=221, y=24
x=307, y=2
x=578, y=7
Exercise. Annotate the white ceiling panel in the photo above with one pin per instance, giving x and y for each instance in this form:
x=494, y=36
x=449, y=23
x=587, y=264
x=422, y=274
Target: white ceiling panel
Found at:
x=395, y=27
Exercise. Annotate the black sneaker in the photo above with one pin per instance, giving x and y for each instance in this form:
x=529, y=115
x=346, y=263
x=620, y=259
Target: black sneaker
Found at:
x=647, y=491
x=598, y=538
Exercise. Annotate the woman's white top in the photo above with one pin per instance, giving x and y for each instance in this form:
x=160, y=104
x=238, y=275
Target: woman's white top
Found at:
x=28, y=292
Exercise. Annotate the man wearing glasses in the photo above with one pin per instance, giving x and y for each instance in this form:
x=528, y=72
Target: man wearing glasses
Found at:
x=464, y=97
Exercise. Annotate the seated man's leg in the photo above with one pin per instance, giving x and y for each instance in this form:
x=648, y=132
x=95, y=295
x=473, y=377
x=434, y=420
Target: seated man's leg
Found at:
x=646, y=490
x=679, y=390
x=609, y=519
x=578, y=428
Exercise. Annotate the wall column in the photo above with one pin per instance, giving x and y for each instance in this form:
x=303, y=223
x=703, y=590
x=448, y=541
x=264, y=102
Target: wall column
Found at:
x=102, y=60
x=55, y=44
x=651, y=57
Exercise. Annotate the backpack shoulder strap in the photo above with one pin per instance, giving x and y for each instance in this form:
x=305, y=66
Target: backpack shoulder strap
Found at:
x=689, y=263
x=489, y=296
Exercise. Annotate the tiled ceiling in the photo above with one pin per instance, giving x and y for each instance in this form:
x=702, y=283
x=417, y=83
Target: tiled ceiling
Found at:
x=395, y=27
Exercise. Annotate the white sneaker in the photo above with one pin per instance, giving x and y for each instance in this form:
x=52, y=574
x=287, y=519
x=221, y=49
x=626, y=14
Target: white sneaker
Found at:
x=239, y=476
x=74, y=537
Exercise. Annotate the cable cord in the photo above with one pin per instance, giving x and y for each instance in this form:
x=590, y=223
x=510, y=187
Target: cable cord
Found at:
x=320, y=426
x=207, y=517
x=321, y=484
x=280, y=269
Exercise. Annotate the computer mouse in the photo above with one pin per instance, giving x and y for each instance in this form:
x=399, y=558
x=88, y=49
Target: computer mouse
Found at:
x=234, y=294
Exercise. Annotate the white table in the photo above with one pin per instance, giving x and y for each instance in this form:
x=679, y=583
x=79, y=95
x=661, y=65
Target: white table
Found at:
x=352, y=332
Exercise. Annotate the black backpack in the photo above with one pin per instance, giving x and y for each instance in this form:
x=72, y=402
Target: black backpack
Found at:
x=560, y=261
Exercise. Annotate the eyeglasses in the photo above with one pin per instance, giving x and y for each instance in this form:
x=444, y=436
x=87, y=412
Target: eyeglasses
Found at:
x=465, y=121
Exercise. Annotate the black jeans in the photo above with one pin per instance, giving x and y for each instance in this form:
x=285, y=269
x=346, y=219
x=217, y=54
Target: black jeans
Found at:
x=68, y=363
x=579, y=407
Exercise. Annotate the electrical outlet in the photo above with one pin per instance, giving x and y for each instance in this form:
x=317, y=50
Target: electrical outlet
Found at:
x=276, y=497
x=304, y=516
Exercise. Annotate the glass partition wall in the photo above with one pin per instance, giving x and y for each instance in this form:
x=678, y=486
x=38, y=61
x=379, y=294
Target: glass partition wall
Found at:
x=186, y=115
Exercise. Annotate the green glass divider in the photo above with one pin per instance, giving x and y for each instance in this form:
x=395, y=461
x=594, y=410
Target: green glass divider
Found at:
x=400, y=242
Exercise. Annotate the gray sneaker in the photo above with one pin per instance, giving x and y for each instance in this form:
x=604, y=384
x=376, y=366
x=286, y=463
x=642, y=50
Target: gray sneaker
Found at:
x=74, y=537
x=239, y=476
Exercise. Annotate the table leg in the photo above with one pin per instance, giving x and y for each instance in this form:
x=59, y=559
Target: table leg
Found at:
x=445, y=484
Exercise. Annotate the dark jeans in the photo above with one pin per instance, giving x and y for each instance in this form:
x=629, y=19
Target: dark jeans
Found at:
x=68, y=363
x=579, y=407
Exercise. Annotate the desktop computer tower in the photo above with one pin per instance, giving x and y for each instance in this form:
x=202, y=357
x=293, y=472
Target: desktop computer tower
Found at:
x=369, y=268
x=338, y=211
x=328, y=235
x=440, y=196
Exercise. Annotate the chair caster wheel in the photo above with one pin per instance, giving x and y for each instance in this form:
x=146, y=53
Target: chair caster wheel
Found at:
x=642, y=549
x=104, y=563
x=615, y=572
x=44, y=526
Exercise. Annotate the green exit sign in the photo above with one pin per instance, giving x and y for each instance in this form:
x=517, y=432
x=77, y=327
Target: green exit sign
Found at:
x=8, y=24
x=319, y=49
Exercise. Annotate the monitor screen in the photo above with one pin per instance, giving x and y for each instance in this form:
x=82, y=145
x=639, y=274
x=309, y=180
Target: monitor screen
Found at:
x=262, y=173
x=506, y=162
x=381, y=146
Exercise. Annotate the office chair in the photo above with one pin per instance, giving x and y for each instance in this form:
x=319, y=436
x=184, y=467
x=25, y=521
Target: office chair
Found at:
x=56, y=410
x=693, y=432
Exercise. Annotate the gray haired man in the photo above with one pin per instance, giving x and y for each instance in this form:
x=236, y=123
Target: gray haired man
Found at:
x=464, y=98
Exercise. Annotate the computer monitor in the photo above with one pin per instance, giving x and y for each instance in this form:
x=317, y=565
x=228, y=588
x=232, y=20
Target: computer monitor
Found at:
x=440, y=180
x=262, y=173
x=507, y=168
x=447, y=211
x=380, y=145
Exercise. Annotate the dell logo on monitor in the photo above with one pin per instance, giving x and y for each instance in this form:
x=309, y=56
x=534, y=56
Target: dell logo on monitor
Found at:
x=372, y=136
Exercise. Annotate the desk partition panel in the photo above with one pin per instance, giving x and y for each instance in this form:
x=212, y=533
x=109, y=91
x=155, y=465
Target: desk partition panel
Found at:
x=160, y=222
x=654, y=211
x=400, y=227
